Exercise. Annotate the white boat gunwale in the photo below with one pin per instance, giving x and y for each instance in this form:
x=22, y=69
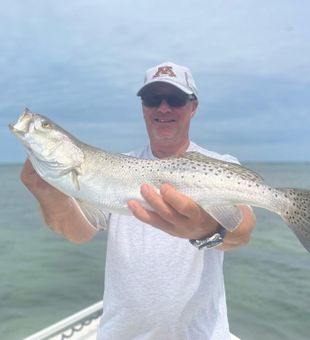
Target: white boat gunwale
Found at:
x=78, y=326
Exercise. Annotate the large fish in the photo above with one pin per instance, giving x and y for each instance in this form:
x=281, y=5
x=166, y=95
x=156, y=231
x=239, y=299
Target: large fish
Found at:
x=100, y=180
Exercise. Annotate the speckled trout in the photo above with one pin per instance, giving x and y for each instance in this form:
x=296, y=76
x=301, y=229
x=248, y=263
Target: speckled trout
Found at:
x=102, y=181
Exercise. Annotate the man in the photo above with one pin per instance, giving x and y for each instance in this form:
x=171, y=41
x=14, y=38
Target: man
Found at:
x=158, y=285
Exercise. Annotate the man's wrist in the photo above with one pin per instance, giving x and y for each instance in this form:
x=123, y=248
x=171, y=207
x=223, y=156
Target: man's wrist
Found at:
x=211, y=241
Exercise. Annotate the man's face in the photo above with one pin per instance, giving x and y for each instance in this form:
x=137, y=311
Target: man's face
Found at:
x=167, y=124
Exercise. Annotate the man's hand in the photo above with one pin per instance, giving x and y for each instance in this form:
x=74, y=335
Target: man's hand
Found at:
x=60, y=211
x=53, y=203
x=174, y=213
x=39, y=188
x=180, y=216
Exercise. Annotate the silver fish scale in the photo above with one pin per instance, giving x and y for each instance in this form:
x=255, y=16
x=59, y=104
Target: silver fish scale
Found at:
x=192, y=177
x=195, y=169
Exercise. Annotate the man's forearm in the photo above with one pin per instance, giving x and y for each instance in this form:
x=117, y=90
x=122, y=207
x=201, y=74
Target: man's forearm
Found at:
x=66, y=219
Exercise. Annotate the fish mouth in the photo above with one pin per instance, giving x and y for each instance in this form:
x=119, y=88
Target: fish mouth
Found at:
x=21, y=127
x=16, y=131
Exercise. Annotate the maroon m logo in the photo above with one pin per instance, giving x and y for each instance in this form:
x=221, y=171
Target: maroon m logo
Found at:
x=164, y=71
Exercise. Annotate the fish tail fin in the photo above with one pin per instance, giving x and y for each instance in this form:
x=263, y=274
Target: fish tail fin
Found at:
x=297, y=214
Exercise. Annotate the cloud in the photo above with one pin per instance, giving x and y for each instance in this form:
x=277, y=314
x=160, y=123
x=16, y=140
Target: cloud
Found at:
x=82, y=63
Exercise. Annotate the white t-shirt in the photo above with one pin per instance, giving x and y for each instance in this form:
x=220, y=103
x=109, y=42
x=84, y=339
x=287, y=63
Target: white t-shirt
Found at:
x=160, y=287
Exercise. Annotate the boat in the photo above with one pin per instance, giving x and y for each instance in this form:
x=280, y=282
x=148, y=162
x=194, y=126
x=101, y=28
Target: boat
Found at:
x=79, y=326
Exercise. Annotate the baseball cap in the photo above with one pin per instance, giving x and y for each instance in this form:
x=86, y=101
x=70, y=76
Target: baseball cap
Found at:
x=176, y=75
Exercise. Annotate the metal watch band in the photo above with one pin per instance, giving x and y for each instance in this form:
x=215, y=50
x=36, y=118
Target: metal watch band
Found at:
x=210, y=241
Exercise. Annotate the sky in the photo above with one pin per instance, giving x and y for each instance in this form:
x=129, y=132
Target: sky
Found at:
x=81, y=62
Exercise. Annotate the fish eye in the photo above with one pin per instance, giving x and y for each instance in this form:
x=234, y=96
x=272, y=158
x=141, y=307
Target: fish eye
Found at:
x=45, y=124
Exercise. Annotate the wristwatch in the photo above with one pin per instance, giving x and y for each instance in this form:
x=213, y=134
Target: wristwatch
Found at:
x=210, y=241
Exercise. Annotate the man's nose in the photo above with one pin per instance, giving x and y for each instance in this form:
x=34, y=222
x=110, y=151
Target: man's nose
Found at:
x=164, y=106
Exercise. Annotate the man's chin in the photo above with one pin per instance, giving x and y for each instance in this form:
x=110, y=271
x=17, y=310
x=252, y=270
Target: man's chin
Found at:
x=167, y=132
x=165, y=136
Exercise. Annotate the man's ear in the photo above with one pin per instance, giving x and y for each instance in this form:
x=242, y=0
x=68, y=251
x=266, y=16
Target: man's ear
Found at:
x=195, y=105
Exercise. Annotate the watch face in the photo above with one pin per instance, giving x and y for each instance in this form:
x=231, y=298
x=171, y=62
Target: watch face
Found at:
x=210, y=242
x=214, y=243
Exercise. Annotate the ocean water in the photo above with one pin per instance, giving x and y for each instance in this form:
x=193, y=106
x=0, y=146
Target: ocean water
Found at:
x=45, y=278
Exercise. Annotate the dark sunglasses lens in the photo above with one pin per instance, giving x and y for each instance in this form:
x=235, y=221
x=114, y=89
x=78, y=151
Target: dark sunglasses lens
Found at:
x=172, y=100
x=151, y=101
x=176, y=101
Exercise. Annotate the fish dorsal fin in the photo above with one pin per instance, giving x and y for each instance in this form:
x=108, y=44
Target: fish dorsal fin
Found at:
x=235, y=168
x=197, y=156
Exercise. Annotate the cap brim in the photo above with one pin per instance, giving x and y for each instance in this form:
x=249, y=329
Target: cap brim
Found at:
x=167, y=81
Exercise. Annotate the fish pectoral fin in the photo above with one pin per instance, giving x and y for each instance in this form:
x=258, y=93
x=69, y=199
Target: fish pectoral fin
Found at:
x=228, y=216
x=75, y=178
x=98, y=218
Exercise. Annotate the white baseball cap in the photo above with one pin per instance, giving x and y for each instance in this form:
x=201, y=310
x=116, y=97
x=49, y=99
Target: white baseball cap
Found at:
x=176, y=75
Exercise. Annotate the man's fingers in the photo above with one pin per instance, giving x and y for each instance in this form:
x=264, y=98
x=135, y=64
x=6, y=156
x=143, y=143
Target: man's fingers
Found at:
x=181, y=203
x=159, y=205
x=149, y=217
x=173, y=213
x=28, y=173
x=35, y=183
x=27, y=169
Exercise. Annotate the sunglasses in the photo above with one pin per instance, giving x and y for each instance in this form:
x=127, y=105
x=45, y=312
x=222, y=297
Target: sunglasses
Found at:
x=173, y=100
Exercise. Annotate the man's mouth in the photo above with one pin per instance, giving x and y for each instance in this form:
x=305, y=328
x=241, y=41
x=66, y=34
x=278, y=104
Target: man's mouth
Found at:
x=162, y=120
